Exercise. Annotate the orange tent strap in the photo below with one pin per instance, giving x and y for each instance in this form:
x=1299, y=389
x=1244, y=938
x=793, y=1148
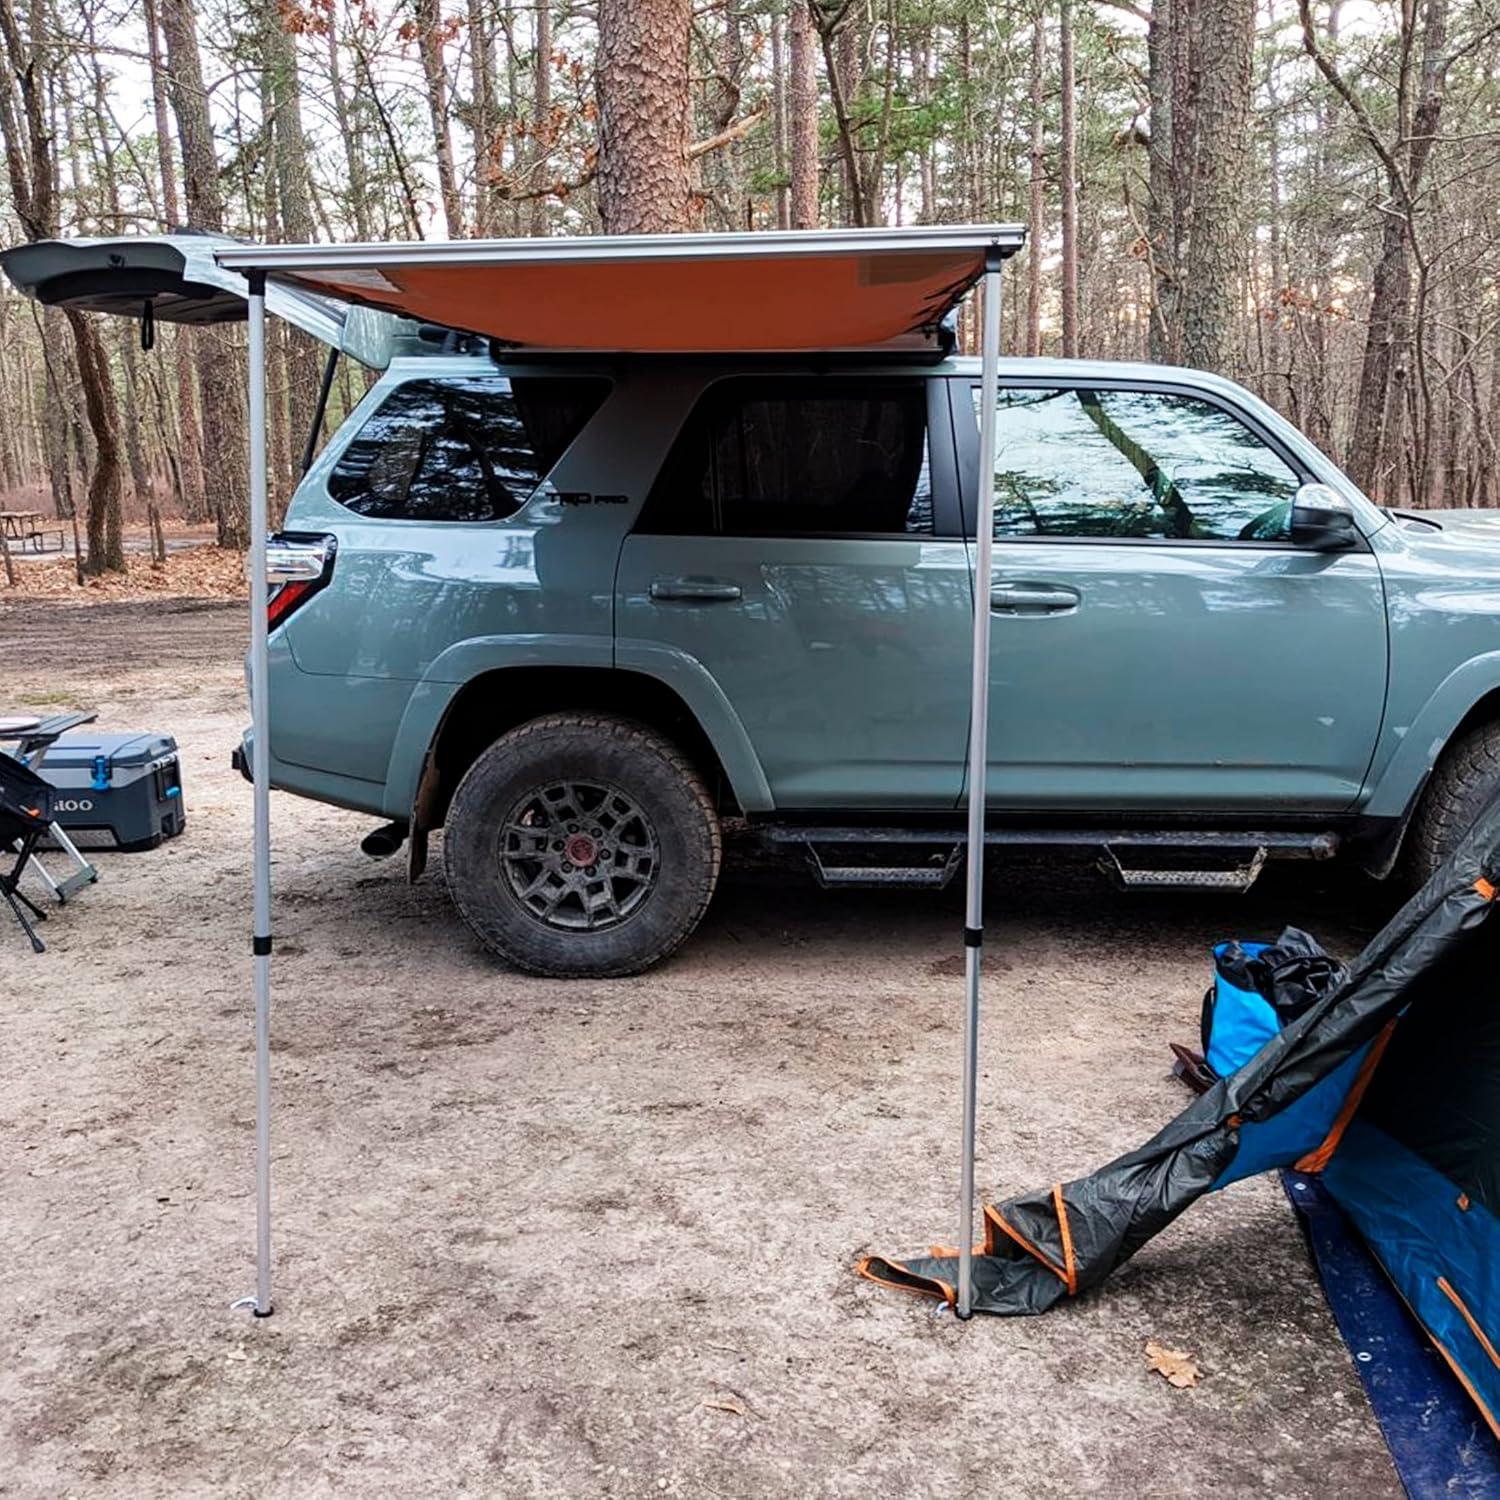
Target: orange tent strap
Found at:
x=1070, y=1265
x=1316, y=1160
x=921, y=1286
x=994, y=1216
x=1446, y=1288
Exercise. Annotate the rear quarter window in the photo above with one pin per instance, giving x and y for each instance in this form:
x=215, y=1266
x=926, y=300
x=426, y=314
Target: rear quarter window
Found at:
x=470, y=448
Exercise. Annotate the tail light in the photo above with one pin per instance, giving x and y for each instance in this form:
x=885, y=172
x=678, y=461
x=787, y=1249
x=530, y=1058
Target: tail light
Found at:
x=298, y=564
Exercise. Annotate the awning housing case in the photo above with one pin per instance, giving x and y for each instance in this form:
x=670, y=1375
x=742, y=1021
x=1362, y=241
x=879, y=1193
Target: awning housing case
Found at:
x=178, y=277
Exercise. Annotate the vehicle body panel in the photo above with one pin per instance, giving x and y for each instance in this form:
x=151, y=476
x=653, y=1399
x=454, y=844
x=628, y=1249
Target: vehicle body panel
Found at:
x=842, y=657
x=1442, y=584
x=1196, y=678
x=1182, y=678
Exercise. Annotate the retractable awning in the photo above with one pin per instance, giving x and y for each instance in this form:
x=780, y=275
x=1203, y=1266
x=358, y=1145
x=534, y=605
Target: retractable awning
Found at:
x=689, y=293
x=702, y=294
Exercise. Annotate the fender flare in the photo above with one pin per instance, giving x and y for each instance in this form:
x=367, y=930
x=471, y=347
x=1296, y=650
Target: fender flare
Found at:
x=676, y=670
x=1420, y=744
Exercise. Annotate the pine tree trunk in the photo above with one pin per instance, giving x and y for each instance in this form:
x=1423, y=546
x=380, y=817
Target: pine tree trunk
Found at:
x=778, y=123
x=1068, y=172
x=644, y=182
x=1163, y=339
x=105, y=551
x=802, y=101
x=541, y=109
x=430, y=46
x=355, y=161
x=1217, y=248
x=219, y=385
x=1036, y=193
x=299, y=354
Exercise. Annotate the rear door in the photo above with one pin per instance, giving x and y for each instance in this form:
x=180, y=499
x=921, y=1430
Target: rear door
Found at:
x=803, y=544
x=1158, y=643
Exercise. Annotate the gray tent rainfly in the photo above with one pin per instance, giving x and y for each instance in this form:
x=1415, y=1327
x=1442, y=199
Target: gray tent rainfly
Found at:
x=798, y=291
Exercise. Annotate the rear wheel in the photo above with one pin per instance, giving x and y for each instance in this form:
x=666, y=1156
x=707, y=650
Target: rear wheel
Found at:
x=1466, y=778
x=582, y=846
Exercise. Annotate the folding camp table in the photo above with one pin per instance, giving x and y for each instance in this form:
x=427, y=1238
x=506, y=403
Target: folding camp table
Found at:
x=34, y=737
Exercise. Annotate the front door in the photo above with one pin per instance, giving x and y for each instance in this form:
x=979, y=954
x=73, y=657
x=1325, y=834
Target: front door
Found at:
x=1157, y=642
x=803, y=544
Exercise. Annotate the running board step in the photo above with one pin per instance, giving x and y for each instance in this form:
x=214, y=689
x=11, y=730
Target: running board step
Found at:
x=1235, y=879
x=929, y=876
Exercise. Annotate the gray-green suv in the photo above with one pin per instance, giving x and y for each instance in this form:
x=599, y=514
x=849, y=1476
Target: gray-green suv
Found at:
x=578, y=612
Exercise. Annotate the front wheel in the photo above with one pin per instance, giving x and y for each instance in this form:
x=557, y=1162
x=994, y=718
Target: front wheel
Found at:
x=582, y=846
x=1460, y=787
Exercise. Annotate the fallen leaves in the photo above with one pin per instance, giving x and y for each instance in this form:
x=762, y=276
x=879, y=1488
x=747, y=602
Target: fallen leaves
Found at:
x=1175, y=1367
x=196, y=572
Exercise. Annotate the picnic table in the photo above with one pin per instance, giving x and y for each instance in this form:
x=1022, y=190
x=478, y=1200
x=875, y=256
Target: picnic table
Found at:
x=29, y=526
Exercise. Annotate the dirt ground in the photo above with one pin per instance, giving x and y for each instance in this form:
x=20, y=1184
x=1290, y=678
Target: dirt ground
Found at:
x=547, y=1239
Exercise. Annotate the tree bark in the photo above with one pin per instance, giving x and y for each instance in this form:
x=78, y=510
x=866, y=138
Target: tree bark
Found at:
x=106, y=554
x=802, y=92
x=1163, y=335
x=644, y=181
x=1217, y=247
x=541, y=109
x=430, y=45
x=188, y=461
x=219, y=384
x=32, y=167
x=1068, y=173
x=1036, y=189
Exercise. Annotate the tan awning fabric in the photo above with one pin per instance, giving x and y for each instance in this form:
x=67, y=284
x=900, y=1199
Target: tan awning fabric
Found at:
x=840, y=289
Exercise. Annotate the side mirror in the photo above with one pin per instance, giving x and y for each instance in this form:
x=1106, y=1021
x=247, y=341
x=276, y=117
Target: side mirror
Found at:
x=1322, y=520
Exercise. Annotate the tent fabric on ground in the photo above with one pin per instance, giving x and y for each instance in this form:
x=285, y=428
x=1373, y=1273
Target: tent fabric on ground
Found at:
x=1388, y=1087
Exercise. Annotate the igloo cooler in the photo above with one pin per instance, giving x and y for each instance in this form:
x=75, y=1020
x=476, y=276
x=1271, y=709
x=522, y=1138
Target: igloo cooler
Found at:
x=115, y=791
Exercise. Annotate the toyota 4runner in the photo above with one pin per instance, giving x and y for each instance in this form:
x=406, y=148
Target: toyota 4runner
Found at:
x=576, y=612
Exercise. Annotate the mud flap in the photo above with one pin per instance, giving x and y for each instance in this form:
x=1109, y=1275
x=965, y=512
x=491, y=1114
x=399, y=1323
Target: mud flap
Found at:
x=423, y=811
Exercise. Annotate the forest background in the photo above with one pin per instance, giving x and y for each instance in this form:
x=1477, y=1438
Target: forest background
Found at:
x=1301, y=194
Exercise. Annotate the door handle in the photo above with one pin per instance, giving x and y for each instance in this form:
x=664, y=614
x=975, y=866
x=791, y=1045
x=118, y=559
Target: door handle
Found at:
x=695, y=590
x=1032, y=598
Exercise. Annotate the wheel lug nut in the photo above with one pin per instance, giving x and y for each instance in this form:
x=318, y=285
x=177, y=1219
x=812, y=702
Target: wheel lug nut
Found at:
x=557, y=844
x=567, y=867
x=592, y=870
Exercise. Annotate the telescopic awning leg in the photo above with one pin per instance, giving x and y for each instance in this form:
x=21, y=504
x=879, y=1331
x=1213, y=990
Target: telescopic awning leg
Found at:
x=260, y=767
x=979, y=698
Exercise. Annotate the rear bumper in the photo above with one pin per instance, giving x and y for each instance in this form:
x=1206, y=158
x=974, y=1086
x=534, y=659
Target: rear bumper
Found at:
x=239, y=759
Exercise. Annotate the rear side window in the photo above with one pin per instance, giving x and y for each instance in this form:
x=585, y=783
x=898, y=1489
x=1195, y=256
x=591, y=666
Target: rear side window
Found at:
x=462, y=449
x=798, y=457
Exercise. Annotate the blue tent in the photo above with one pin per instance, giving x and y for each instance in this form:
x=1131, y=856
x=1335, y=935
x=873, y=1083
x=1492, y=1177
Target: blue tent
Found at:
x=1387, y=1087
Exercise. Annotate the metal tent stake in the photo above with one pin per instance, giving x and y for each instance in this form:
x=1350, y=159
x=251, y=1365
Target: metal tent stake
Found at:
x=979, y=699
x=260, y=768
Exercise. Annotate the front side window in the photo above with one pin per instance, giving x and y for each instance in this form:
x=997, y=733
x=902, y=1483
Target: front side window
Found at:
x=1078, y=462
x=462, y=449
x=791, y=457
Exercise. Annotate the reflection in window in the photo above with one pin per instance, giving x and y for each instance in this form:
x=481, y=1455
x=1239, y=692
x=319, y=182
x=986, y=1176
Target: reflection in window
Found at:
x=470, y=449
x=1106, y=463
x=791, y=458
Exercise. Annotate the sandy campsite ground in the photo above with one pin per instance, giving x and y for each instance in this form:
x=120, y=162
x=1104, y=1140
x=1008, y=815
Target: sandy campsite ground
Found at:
x=596, y=1239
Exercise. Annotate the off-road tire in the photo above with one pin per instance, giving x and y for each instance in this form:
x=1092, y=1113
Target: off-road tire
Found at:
x=650, y=771
x=1465, y=779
